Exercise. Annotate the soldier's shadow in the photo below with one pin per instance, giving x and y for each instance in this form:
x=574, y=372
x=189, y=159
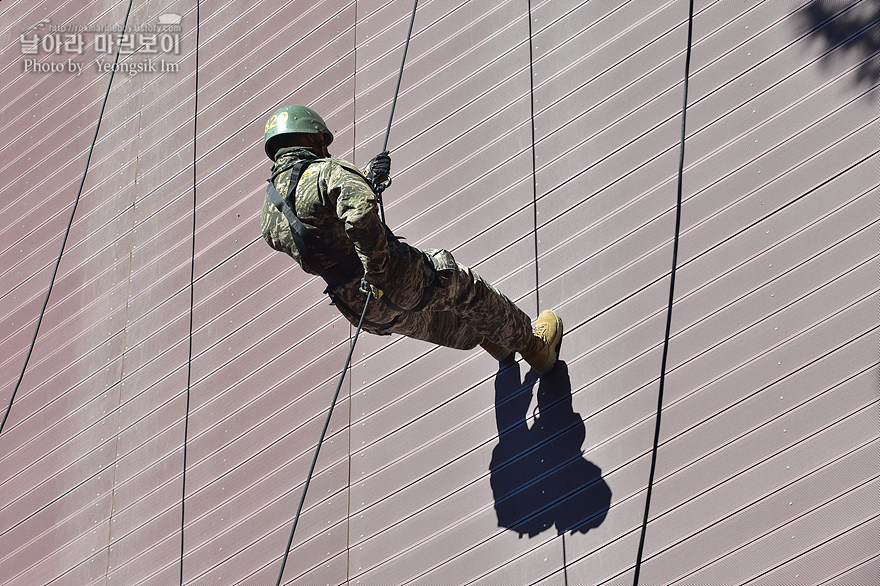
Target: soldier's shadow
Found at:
x=538, y=474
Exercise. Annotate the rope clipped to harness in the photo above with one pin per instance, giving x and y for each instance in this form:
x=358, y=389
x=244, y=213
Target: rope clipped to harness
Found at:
x=311, y=473
x=378, y=188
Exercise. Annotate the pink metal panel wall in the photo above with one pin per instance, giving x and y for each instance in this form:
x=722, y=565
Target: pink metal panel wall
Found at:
x=539, y=142
x=144, y=541
x=608, y=99
x=775, y=313
x=266, y=348
x=60, y=444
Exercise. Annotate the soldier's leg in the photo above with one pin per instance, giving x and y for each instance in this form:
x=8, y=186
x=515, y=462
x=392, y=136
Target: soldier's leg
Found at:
x=488, y=312
x=443, y=328
x=460, y=309
x=494, y=316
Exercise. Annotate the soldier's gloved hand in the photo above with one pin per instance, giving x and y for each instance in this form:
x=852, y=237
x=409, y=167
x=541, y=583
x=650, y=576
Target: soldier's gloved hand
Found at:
x=370, y=289
x=379, y=168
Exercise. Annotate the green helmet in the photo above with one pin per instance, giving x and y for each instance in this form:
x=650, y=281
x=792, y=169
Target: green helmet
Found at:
x=293, y=119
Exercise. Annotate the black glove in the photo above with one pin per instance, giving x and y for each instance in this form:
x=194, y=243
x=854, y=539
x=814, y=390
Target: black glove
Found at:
x=380, y=168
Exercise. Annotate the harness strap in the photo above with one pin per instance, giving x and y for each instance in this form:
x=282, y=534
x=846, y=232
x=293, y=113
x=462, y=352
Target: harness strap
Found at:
x=427, y=294
x=350, y=313
x=347, y=268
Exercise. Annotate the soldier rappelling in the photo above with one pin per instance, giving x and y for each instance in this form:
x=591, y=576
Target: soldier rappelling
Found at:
x=323, y=212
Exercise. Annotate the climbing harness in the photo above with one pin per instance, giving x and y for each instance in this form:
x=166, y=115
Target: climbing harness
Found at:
x=687, y=68
x=378, y=188
x=346, y=268
x=69, y=225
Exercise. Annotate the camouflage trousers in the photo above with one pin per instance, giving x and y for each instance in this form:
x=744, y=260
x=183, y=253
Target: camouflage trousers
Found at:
x=442, y=302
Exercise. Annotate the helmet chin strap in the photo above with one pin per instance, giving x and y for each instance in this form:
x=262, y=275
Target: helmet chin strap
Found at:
x=316, y=143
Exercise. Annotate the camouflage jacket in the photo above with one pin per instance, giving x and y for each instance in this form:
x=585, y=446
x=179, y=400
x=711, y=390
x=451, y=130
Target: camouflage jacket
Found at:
x=334, y=200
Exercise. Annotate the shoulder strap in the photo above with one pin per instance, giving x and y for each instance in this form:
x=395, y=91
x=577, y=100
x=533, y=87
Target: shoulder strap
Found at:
x=347, y=267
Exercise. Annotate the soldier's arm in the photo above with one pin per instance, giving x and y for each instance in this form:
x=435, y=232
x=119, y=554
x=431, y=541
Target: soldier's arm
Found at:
x=275, y=229
x=358, y=207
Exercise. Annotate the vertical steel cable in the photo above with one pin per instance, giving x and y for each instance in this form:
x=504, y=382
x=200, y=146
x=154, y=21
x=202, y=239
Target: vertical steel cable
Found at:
x=192, y=297
x=69, y=223
x=534, y=160
x=687, y=67
x=412, y=19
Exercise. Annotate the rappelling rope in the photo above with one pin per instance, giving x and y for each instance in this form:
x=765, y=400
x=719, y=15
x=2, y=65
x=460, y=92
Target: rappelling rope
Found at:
x=321, y=440
x=687, y=67
x=378, y=188
x=69, y=224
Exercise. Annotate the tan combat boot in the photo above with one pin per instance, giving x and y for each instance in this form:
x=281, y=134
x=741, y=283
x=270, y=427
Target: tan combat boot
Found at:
x=543, y=348
x=497, y=352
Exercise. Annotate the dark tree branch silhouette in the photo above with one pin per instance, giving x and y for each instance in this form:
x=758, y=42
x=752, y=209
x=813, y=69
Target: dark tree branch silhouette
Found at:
x=849, y=34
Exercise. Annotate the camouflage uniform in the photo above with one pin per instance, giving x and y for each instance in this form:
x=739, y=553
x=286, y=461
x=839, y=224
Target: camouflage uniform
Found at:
x=427, y=294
